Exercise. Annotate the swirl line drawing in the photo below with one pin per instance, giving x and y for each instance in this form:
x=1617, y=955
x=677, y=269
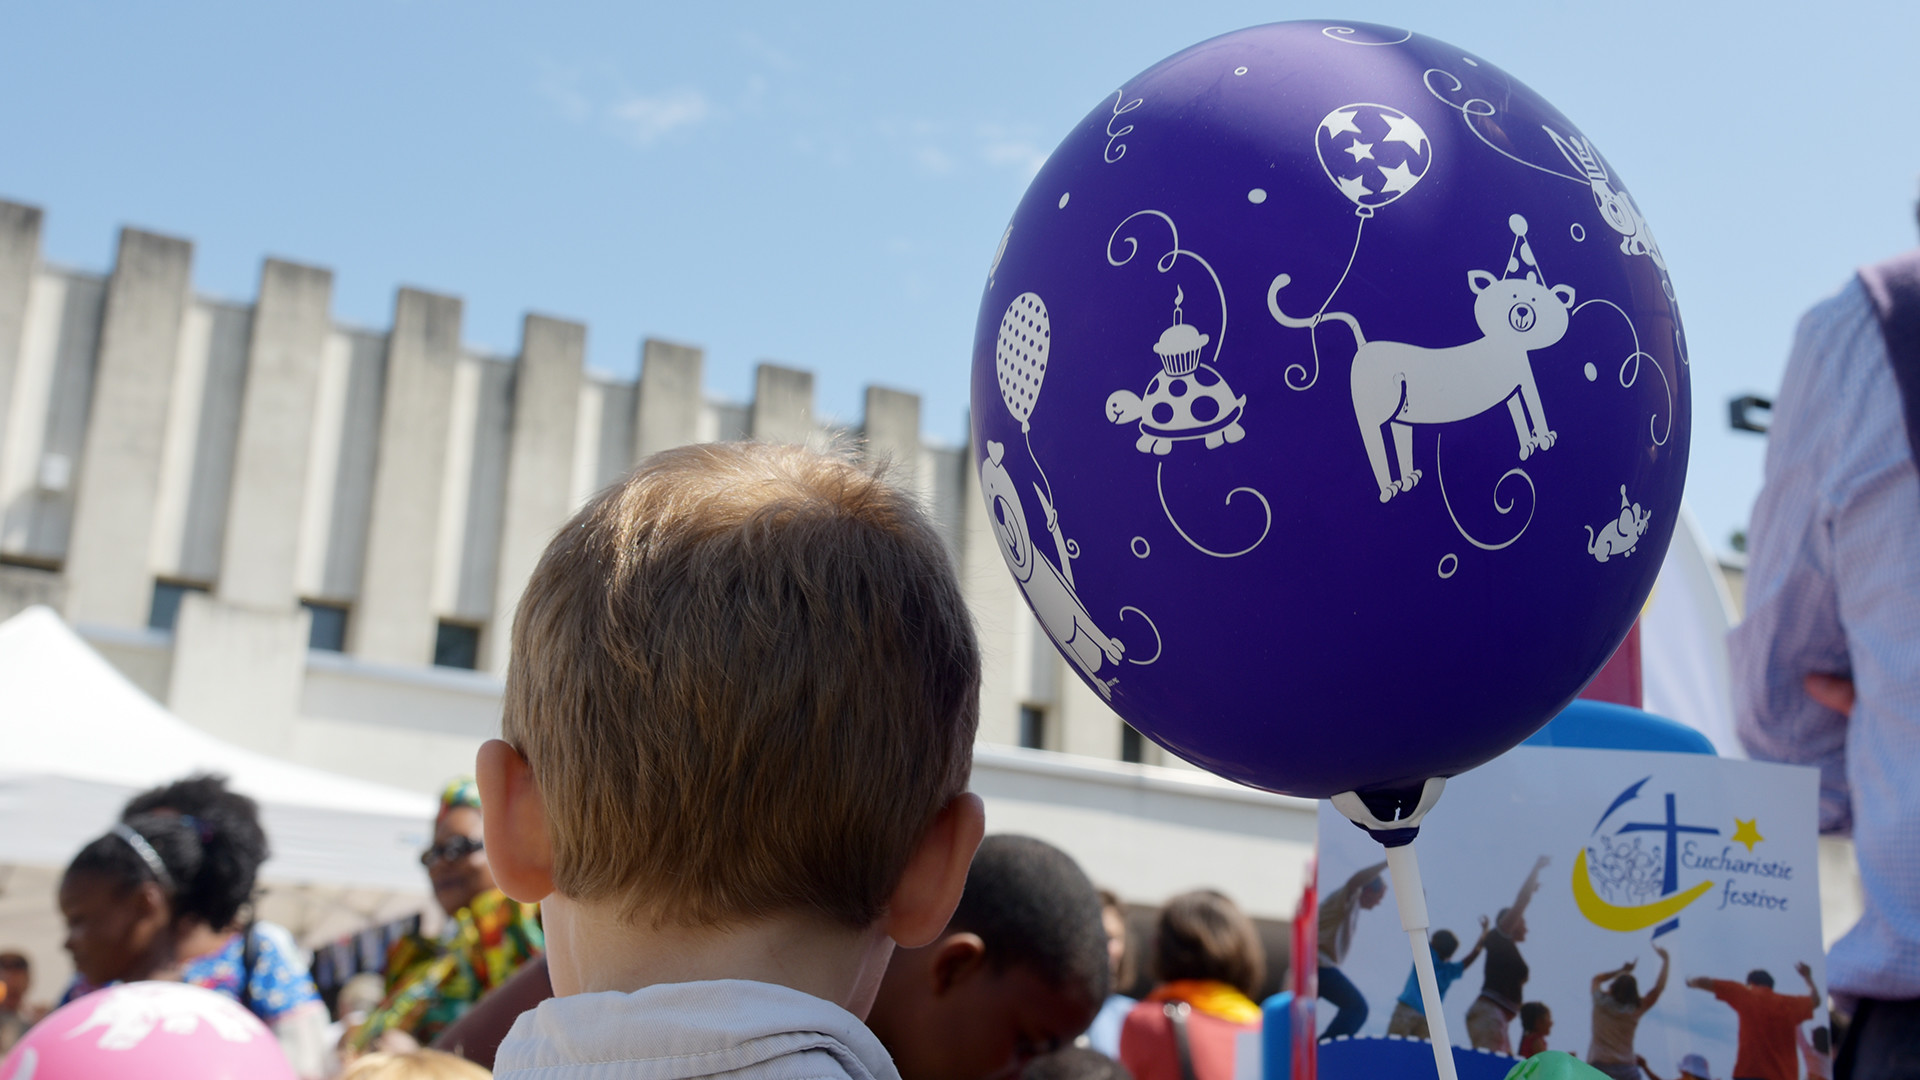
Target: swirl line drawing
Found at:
x=1265, y=507
x=1166, y=262
x=1281, y=281
x=1344, y=35
x=1439, y=466
x=1630, y=369
x=1114, y=153
x=1159, y=644
x=1479, y=106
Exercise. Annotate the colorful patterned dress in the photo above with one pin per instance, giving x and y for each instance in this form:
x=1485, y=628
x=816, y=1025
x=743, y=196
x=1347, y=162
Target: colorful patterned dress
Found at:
x=431, y=983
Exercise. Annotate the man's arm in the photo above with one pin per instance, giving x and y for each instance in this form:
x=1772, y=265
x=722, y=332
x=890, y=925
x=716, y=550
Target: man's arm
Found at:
x=1813, y=989
x=1528, y=888
x=1792, y=628
x=1659, y=984
x=1479, y=944
x=1609, y=976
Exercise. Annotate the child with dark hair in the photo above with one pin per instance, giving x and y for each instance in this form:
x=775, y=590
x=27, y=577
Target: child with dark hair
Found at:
x=161, y=896
x=1409, y=1018
x=1075, y=1063
x=1208, y=961
x=1536, y=1023
x=1018, y=973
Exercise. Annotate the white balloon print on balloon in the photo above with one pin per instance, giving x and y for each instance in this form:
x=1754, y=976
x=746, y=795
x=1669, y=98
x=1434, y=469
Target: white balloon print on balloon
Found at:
x=1020, y=366
x=1373, y=154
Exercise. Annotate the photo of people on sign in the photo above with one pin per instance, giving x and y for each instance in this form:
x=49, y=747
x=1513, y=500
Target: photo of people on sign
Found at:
x=1655, y=915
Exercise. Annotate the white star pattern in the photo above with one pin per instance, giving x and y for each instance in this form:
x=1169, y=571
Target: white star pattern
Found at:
x=1404, y=129
x=1339, y=122
x=1398, y=179
x=1353, y=187
x=1361, y=151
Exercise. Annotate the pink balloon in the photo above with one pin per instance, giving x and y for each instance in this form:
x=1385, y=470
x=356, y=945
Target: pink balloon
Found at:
x=152, y=1030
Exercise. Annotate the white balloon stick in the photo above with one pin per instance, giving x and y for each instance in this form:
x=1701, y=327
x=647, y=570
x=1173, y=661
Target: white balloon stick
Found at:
x=1404, y=868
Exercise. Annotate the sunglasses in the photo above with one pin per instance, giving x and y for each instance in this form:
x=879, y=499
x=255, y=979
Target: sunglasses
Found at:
x=457, y=848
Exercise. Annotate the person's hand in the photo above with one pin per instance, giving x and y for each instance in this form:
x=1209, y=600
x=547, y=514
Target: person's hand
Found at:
x=1661, y=951
x=1628, y=966
x=1540, y=863
x=1805, y=971
x=1700, y=982
x=1832, y=691
x=1485, y=925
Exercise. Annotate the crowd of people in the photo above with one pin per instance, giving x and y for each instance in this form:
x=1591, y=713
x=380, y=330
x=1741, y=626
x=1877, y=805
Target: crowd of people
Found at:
x=727, y=828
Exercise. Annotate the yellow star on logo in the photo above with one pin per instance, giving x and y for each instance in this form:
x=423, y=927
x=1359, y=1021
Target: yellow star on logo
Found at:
x=1745, y=832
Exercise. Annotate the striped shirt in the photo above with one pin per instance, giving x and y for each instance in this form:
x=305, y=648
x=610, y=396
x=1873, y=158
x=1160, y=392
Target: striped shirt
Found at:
x=1833, y=585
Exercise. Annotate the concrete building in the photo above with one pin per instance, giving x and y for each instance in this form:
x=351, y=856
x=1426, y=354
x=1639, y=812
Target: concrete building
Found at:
x=308, y=538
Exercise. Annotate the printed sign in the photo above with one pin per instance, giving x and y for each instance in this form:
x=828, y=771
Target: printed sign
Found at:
x=1624, y=907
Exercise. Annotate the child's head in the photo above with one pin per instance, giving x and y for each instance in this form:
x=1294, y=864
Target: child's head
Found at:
x=128, y=895
x=1444, y=942
x=743, y=684
x=1694, y=1067
x=1075, y=1063
x=1021, y=969
x=1760, y=978
x=1625, y=990
x=1204, y=935
x=414, y=1065
x=1535, y=1017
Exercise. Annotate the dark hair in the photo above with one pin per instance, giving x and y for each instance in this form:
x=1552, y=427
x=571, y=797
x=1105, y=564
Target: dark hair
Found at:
x=1444, y=942
x=1759, y=977
x=1204, y=935
x=1821, y=1038
x=1075, y=1063
x=13, y=961
x=1033, y=905
x=1626, y=991
x=209, y=864
x=1532, y=1013
x=235, y=845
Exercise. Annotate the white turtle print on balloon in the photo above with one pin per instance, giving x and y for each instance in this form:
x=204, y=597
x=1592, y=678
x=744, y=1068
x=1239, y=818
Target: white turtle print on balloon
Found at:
x=1186, y=399
x=1373, y=154
x=1179, y=349
x=1618, y=537
x=1397, y=385
x=127, y=1017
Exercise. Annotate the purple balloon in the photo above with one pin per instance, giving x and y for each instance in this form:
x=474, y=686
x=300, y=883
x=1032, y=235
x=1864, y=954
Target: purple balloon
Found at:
x=1330, y=400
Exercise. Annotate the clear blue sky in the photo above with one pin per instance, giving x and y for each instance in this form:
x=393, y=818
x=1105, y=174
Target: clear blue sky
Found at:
x=824, y=184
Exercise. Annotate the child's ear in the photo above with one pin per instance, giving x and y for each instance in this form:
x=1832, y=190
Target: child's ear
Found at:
x=519, y=851
x=956, y=956
x=936, y=872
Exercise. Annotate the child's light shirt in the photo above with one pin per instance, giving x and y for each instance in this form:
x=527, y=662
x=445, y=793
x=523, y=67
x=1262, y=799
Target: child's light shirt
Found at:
x=682, y=1031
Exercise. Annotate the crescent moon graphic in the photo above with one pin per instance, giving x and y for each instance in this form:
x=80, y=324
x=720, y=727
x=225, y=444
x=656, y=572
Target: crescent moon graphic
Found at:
x=1625, y=918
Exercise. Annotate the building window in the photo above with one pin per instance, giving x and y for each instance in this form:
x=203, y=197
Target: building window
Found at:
x=1133, y=746
x=1033, y=727
x=456, y=645
x=166, y=603
x=329, y=631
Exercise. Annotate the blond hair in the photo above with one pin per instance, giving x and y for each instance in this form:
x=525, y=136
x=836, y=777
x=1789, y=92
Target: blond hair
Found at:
x=414, y=1065
x=746, y=681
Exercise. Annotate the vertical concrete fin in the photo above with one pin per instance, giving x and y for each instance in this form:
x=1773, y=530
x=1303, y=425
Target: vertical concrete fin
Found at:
x=546, y=405
x=107, y=565
x=394, y=622
x=892, y=427
x=782, y=404
x=19, y=258
x=667, y=407
x=291, y=320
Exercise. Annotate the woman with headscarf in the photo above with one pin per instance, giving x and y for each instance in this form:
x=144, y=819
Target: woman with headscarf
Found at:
x=163, y=896
x=488, y=936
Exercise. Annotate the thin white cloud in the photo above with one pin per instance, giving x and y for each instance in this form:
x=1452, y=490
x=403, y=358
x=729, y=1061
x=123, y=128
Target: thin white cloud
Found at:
x=646, y=118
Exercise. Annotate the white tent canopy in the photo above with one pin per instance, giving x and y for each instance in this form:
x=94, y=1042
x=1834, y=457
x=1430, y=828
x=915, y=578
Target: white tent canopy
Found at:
x=1683, y=640
x=77, y=740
